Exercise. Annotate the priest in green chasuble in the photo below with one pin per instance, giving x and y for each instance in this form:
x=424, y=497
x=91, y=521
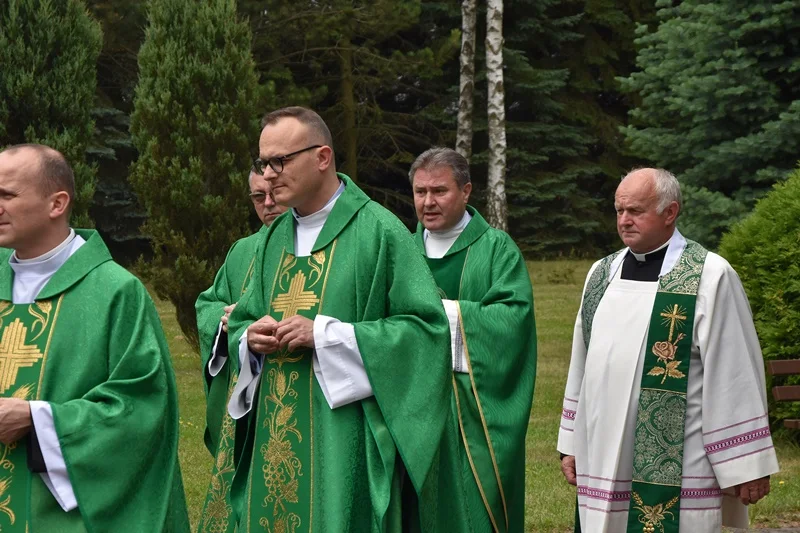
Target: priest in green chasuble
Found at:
x=214, y=306
x=664, y=425
x=344, y=373
x=88, y=402
x=486, y=291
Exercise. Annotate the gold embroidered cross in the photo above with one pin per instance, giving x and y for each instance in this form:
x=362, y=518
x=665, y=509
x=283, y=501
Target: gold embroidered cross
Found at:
x=673, y=316
x=296, y=299
x=15, y=354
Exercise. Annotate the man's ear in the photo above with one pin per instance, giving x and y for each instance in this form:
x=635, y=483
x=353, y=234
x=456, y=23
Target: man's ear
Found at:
x=467, y=190
x=672, y=211
x=59, y=204
x=325, y=158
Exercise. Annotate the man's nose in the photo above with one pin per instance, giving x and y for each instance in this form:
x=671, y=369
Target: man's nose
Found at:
x=269, y=201
x=429, y=200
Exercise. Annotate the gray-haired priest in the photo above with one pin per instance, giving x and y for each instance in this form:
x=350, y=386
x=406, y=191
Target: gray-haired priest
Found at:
x=664, y=426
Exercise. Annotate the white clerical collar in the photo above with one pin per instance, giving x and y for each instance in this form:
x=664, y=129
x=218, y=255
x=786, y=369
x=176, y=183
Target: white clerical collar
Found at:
x=31, y=275
x=319, y=218
x=675, y=247
x=449, y=234
x=45, y=260
x=642, y=257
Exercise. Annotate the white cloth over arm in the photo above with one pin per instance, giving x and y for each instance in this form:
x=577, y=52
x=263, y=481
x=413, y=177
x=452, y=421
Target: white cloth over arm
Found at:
x=56, y=477
x=572, y=392
x=338, y=364
x=736, y=432
x=217, y=360
x=456, y=340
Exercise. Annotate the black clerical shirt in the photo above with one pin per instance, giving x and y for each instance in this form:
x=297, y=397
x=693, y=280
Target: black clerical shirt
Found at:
x=647, y=270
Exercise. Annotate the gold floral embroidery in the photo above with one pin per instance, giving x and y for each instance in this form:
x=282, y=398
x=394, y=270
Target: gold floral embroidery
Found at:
x=282, y=468
x=6, y=308
x=5, y=483
x=42, y=316
x=665, y=350
x=216, y=516
x=652, y=516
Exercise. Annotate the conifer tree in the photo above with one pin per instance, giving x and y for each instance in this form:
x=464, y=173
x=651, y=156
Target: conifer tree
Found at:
x=720, y=103
x=195, y=125
x=48, y=56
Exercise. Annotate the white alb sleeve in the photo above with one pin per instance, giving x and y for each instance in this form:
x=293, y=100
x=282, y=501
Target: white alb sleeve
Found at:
x=217, y=360
x=250, y=366
x=56, y=478
x=456, y=340
x=338, y=364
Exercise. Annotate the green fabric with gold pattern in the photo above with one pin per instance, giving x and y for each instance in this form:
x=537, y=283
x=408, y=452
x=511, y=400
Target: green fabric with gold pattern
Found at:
x=658, y=443
x=24, y=344
x=373, y=465
x=109, y=382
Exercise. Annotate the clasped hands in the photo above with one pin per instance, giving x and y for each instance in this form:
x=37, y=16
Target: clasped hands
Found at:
x=267, y=335
x=748, y=493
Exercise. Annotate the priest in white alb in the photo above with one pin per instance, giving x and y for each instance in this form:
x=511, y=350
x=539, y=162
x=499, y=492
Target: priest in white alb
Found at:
x=664, y=425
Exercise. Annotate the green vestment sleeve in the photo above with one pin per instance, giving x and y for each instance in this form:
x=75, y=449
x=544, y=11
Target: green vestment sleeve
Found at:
x=229, y=285
x=114, y=481
x=499, y=337
x=108, y=379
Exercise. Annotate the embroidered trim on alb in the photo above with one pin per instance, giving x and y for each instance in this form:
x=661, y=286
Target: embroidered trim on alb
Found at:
x=738, y=440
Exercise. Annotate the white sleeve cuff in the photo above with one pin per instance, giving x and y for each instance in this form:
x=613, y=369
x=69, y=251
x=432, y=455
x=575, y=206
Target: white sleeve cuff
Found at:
x=338, y=364
x=242, y=397
x=217, y=360
x=56, y=478
x=456, y=340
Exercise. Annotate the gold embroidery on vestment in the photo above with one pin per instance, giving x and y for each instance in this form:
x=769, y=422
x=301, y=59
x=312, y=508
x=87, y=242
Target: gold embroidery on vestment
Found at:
x=652, y=516
x=15, y=354
x=665, y=351
x=283, y=468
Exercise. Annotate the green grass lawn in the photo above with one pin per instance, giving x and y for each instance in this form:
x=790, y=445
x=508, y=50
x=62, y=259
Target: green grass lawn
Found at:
x=550, y=501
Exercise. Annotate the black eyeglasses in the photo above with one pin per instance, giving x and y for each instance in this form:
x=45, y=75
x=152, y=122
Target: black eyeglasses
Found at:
x=276, y=163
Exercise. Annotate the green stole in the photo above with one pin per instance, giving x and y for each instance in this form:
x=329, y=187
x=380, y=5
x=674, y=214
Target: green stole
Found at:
x=218, y=508
x=448, y=272
x=279, y=496
x=660, y=422
x=24, y=345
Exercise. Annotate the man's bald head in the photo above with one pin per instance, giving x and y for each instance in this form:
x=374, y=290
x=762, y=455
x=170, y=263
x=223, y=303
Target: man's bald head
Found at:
x=318, y=131
x=47, y=165
x=647, y=201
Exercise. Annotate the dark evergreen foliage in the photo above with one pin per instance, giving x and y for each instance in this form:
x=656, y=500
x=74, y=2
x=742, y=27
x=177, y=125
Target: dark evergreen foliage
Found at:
x=48, y=53
x=195, y=125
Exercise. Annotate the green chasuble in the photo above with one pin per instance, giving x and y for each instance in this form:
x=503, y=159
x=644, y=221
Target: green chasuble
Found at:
x=92, y=346
x=374, y=465
x=229, y=285
x=485, y=273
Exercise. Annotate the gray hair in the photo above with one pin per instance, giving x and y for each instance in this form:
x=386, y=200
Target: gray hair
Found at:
x=438, y=157
x=666, y=187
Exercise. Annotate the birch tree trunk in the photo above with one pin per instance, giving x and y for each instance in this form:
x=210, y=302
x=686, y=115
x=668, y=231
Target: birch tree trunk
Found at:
x=496, y=207
x=467, y=84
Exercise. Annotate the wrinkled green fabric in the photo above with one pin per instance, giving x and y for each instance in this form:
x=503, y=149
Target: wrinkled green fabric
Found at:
x=220, y=434
x=486, y=273
x=109, y=381
x=372, y=459
x=229, y=285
